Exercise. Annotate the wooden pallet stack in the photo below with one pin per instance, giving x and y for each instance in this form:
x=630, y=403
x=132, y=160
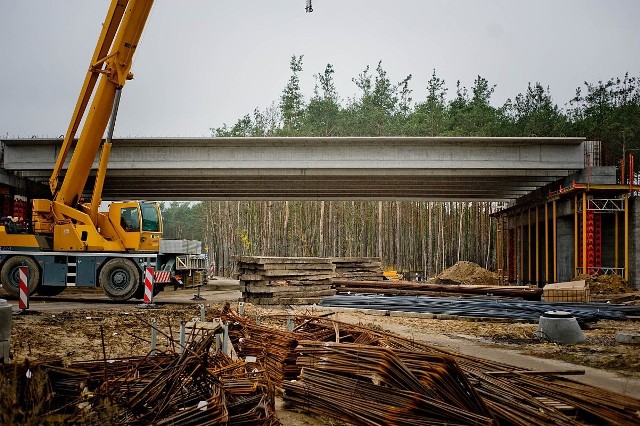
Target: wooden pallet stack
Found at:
x=358, y=268
x=285, y=280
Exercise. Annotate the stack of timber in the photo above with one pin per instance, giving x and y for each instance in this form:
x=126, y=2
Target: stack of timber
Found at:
x=405, y=288
x=285, y=280
x=358, y=268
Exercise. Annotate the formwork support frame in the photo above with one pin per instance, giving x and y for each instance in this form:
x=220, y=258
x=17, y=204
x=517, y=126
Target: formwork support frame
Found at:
x=529, y=270
x=546, y=243
x=584, y=233
x=576, y=258
x=537, y=233
x=626, y=237
x=555, y=241
x=521, y=241
x=616, y=254
x=537, y=246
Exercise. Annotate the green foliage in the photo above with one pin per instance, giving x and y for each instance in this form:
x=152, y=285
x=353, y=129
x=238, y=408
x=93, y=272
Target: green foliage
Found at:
x=429, y=118
x=322, y=117
x=292, y=101
x=424, y=236
x=183, y=221
x=535, y=114
x=608, y=111
x=382, y=107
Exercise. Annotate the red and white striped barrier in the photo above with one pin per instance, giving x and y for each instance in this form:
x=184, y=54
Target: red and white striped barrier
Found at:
x=163, y=277
x=23, y=303
x=148, y=285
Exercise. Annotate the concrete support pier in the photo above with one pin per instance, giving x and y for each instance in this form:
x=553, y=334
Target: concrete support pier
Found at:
x=586, y=224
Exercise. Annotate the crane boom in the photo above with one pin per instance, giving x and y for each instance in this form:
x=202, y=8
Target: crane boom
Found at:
x=112, y=59
x=68, y=241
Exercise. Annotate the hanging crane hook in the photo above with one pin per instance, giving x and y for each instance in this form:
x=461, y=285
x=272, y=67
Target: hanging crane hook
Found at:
x=309, y=7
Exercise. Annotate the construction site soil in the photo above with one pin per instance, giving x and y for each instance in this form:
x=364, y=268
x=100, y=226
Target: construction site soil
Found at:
x=62, y=328
x=465, y=272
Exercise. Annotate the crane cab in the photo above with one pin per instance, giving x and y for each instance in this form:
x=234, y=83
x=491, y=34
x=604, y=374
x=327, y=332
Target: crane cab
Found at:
x=138, y=224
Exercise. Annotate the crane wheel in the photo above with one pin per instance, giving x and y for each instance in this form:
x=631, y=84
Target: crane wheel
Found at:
x=10, y=275
x=119, y=279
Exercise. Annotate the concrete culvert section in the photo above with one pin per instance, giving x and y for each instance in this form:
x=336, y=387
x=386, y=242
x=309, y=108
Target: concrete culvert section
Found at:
x=560, y=327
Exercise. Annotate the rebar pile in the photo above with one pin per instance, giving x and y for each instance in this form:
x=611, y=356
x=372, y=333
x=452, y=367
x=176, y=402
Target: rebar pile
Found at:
x=521, y=397
x=274, y=349
x=201, y=386
x=484, y=307
x=388, y=391
x=360, y=402
x=350, y=373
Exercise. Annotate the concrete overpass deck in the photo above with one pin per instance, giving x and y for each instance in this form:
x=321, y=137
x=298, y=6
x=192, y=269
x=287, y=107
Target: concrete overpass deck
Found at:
x=271, y=168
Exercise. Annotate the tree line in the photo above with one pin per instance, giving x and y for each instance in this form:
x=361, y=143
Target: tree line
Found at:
x=606, y=111
x=424, y=237
x=412, y=236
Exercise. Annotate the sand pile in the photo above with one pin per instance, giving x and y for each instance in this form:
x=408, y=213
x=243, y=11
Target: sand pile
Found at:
x=468, y=273
x=606, y=284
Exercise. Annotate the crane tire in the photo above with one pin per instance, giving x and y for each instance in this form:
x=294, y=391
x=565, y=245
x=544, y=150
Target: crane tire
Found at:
x=10, y=275
x=119, y=279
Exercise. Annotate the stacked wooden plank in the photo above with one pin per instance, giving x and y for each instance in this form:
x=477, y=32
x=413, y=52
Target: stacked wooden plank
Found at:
x=285, y=280
x=358, y=268
x=405, y=288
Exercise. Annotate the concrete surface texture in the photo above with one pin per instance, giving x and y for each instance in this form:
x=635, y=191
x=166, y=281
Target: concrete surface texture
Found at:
x=492, y=169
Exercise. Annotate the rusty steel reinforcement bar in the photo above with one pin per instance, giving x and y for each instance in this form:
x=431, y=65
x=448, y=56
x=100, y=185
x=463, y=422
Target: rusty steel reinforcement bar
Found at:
x=521, y=400
x=351, y=373
x=443, y=386
x=362, y=402
x=198, y=387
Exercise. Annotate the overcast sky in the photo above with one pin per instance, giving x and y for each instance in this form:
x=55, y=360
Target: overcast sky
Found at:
x=202, y=63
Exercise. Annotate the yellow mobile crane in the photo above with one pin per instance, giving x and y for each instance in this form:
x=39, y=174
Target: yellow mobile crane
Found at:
x=69, y=241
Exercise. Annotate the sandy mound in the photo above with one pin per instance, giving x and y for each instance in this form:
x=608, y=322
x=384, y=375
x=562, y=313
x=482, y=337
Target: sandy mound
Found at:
x=606, y=284
x=468, y=273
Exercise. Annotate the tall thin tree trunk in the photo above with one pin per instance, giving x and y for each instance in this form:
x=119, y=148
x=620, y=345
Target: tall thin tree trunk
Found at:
x=398, y=229
x=486, y=264
x=380, y=229
x=321, y=229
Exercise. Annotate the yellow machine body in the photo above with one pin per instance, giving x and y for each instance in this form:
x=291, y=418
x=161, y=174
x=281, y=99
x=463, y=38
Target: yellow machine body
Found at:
x=65, y=222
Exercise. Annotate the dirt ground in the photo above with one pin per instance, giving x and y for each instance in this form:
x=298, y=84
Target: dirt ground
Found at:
x=74, y=331
x=78, y=334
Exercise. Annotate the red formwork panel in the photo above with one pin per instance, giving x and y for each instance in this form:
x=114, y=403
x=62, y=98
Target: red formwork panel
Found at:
x=593, y=228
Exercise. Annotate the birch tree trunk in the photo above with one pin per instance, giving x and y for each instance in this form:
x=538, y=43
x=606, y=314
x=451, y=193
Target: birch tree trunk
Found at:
x=321, y=230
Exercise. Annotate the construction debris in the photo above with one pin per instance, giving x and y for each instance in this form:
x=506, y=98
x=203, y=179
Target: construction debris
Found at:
x=606, y=284
x=393, y=387
x=348, y=373
x=201, y=386
x=285, y=280
x=360, y=375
